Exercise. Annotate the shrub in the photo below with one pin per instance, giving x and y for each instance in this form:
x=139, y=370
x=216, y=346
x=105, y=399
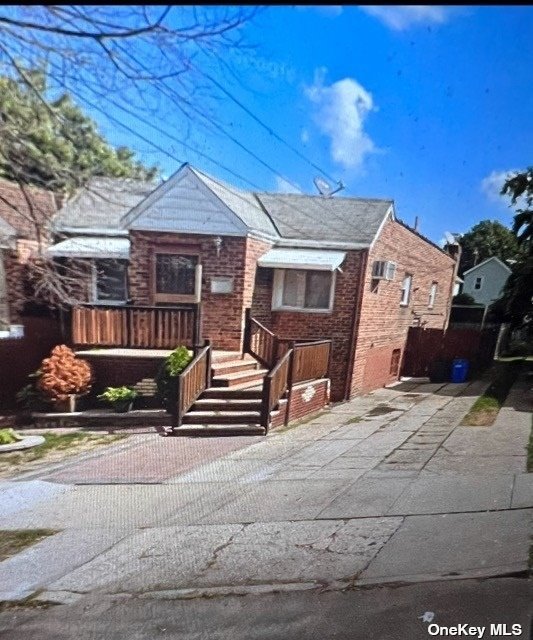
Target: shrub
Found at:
x=62, y=374
x=167, y=375
x=118, y=394
x=463, y=298
x=8, y=436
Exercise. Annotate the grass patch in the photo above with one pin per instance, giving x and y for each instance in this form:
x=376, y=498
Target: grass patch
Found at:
x=55, y=447
x=486, y=407
x=11, y=542
x=530, y=450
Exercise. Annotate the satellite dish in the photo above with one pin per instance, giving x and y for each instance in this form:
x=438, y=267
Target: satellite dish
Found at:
x=324, y=187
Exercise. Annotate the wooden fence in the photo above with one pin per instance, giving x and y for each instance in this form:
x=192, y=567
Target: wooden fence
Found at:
x=144, y=327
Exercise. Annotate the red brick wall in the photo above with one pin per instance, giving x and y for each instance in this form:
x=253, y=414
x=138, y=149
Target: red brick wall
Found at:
x=110, y=371
x=307, y=398
x=16, y=264
x=336, y=325
x=222, y=314
x=383, y=323
x=26, y=211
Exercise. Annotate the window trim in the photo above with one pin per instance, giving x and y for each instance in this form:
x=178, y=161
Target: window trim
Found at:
x=409, y=290
x=277, y=292
x=177, y=298
x=433, y=290
x=94, y=282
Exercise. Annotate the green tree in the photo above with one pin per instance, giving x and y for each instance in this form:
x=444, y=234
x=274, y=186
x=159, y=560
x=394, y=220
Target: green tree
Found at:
x=51, y=143
x=486, y=239
x=518, y=293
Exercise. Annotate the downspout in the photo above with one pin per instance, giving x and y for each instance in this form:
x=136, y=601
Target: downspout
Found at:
x=356, y=315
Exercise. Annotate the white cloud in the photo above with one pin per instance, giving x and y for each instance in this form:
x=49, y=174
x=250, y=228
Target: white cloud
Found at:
x=403, y=17
x=493, y=183
x=340, y=113
x=284, y=186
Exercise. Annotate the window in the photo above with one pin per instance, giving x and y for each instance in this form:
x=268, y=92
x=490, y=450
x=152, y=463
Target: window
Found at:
x=175, y=277
x=406, y=290
x=383, y=270
x=110, y=280
x=478, y=283
x=303, y=290
x=432, y=295
x=395, y=362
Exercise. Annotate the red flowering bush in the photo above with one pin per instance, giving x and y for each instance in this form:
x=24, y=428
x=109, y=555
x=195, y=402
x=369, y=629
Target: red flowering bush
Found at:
x=63, y=374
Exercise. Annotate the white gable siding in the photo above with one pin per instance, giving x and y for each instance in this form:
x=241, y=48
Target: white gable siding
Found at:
x=494, y=276
x=184, y=204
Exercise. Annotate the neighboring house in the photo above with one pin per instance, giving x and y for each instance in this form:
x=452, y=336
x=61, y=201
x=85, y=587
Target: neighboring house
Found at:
x=24, y=217
x=485, y=281
x=90, y=241
x=306, y=267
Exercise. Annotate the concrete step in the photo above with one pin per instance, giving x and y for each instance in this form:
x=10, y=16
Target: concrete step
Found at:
x=254, y=376
x=214, y=430
x=227, y=404
x=232, y=393
x=232, y=366
x=222, y=417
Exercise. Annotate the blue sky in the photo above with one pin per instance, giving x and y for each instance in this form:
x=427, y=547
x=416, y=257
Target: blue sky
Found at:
x=430, y=106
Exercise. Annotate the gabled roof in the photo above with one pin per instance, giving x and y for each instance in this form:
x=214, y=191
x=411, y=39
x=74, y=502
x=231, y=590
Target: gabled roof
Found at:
x=100, y=205
x=493, y=258
x=191, y=201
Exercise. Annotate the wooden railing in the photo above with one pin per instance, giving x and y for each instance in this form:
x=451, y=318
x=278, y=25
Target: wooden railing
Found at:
x=260, y=342
x=129, y=326
x=192, y=381
x=275, y=385
x=311, y=360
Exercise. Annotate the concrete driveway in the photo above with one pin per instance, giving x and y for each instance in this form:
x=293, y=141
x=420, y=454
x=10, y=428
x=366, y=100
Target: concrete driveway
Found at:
x=383, y=490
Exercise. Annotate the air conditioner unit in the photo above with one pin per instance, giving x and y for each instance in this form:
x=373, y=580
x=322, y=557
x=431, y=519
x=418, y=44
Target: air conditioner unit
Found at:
x=383, y=270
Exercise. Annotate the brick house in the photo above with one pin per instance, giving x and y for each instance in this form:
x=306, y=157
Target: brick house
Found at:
x=306, y=267
x=24, y=217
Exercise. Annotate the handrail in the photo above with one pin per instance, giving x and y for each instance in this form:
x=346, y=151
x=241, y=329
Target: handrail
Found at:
x=191, y=383
x=276, y=383
x=259, y=341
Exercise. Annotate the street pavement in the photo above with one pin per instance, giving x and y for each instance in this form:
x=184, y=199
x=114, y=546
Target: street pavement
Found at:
x=383, y=491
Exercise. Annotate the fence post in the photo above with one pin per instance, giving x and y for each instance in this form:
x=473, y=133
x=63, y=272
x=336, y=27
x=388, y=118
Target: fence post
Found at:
x=177, y=418
x=247, y=331
x=208, y=364
x=289, y=383
x=265, y=403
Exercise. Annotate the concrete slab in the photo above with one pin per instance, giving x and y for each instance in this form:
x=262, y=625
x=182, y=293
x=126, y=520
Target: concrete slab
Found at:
x=523, y=491
x=448, y=464
x=278, y=500
x=292, y=552
x=447, y=494
x=354, y=462
x=489, y=543
x=366, y=498
x=53, y=557
x=166, y=557
x=17, y=496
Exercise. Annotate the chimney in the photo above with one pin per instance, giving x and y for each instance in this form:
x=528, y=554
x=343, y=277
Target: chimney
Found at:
x=416, y=223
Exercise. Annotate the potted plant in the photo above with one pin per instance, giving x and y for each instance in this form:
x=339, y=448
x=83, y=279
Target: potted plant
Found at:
x=63, y=378
x=120, y=398
x=167, y=375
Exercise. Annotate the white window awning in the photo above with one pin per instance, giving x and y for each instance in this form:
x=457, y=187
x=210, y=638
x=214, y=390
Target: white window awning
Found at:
x=314, y=259
x=91, y=247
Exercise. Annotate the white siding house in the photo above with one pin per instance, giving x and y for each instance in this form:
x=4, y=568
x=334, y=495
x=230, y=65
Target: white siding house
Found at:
x=486, y=280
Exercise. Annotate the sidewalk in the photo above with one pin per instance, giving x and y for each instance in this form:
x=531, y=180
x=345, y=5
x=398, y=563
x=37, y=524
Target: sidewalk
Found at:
x=384, y=489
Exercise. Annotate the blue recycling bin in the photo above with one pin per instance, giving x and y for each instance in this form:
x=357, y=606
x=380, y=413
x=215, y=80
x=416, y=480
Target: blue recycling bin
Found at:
x=459, y=370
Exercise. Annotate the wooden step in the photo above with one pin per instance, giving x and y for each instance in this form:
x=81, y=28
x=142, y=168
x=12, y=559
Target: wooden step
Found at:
x=222, y=417
x=232, y=393
x=227, y=404
x=239, y=377
x=216, y=430
x=232, y=366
